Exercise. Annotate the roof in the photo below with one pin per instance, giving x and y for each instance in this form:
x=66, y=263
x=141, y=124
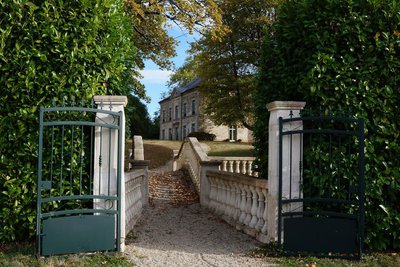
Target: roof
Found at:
x=181, y=90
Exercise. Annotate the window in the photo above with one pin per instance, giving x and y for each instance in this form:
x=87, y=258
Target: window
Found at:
x=184, y=109
x=193, y=127
x=170, y=114
x=184, y=131
x=176, y=112
x=163, y=115
x=163, y=135
x=170, y=134
x=232, y=133
x=176, y=133
x=193, y=106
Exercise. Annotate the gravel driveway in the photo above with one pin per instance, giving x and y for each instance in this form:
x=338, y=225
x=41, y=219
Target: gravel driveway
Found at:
x=176, y=231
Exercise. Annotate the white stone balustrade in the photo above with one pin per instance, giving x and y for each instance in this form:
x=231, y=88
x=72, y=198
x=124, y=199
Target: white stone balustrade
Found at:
x=135, y=183
x=242, y=165
x=240, y=200
x=230, y=187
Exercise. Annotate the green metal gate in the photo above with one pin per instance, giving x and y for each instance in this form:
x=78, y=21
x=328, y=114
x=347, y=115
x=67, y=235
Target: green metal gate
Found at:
x=326, y=216
x=79, y=180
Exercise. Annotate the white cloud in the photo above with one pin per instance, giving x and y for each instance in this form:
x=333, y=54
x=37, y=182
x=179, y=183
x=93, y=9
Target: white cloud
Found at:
x=155, y=76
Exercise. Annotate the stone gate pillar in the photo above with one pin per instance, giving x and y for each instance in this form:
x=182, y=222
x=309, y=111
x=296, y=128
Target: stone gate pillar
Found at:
x=280, y=109
x=105, y=161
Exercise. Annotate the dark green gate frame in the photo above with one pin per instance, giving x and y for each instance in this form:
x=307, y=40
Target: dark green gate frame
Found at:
x=67, y=218
x=329, y=218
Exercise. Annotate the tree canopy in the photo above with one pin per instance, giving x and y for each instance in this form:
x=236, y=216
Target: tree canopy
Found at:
x=228, y=65
x=342, y=56
x=151, y=20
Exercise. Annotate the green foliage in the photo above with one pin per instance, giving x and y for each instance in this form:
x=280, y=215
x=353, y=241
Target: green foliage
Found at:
x=227, y=65
x=342, y=56
x=202, y=136
x=51, y=49
x=139, y=119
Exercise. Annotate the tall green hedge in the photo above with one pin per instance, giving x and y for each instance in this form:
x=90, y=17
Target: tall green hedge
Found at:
x=343, y=56
x=51, y=49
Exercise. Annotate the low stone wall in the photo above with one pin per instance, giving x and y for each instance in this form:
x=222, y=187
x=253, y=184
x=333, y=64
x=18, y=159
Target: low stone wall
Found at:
x=136, y=196
x=241, y=201
x=136, y=185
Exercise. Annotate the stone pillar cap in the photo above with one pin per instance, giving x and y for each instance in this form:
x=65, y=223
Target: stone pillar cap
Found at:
x=111, y=99
x=285, y=105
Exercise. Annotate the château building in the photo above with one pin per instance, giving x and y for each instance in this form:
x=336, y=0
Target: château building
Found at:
x=181, y=113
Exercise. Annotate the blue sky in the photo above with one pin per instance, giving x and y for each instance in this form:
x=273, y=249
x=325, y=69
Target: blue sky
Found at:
x=155, y=79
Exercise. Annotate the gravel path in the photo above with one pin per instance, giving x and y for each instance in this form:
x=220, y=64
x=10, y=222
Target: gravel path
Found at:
x=176, y=231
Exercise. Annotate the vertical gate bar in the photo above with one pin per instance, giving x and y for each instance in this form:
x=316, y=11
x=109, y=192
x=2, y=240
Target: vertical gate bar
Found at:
x=361, y=183
x=331, y=192
x=100, y=159
x=119, y=177
x=72, y=159
x=319, y=156
x=62, y=158
x=52, y=154
x=39, y=199
x=109, y=160
x=301, y=165
x=351, y=139
x=81, y=157
x=290, y=166
x=338, y=165
x=310, y=180
x=91, y=162
x=280, y=185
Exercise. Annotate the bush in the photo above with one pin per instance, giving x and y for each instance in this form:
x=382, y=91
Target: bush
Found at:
x=343, y=56
x=202, y=136
x=49, y=50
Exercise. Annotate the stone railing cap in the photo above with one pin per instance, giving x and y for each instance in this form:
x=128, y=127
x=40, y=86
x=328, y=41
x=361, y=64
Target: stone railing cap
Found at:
x=285, y=105
x=111, y=99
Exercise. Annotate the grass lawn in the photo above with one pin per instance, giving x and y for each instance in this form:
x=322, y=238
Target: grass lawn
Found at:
x=22, y=255
x=159, y=152
x=227, y=149
x=372, y=259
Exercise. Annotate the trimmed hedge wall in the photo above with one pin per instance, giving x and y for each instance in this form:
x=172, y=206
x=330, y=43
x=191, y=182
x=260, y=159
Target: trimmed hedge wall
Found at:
x=51, y=49
x=343, y=56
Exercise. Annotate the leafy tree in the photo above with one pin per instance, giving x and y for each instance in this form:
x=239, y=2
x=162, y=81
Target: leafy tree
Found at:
x=184, y=74
x=151, y=20
x=140, y=122
x=228, y=65
x=52, y=49
x=343, y=56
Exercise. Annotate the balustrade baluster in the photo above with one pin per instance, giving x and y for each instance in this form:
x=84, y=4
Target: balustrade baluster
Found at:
x=213, y=195
x=220, y=192
x=242, y=204
x=244, y=167
x=249, y=167
x=224, y=197
x=260, y=210
x=254, y=207
x=224, y=163
x=265, y=214
x=248, y=205
x=230, y=162
x=236, y=214
x=232, y=200
x=237, y=163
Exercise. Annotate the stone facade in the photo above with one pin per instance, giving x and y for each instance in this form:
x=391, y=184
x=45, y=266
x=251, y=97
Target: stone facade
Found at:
x=181, y=114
